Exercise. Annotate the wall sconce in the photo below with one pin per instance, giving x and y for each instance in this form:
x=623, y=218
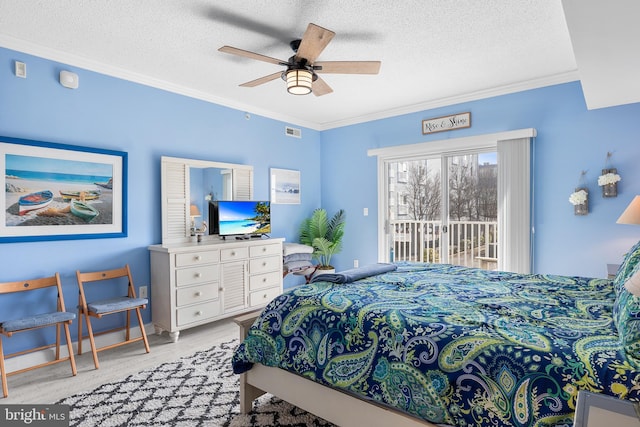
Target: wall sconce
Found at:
x=609, y=179
x=580, y=197
x=69, y=79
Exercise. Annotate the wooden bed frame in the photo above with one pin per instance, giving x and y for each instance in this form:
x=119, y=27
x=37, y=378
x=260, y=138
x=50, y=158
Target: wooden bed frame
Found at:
x=331, y=404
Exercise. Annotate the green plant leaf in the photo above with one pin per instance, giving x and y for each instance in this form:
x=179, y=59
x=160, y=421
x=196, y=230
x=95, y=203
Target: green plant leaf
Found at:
x=323, y=234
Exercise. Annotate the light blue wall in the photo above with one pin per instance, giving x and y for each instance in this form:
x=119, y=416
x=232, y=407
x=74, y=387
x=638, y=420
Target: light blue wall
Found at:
x=147, y=123
x=570, y=139
x=109, y=113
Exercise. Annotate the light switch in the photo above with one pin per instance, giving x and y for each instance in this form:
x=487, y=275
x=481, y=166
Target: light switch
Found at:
x=365, y=211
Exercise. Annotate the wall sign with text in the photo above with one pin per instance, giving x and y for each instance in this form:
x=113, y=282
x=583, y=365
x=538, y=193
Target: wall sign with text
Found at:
x=444, y=123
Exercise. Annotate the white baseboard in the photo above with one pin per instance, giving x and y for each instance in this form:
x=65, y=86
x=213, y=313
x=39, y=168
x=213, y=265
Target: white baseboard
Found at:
x=37, y=357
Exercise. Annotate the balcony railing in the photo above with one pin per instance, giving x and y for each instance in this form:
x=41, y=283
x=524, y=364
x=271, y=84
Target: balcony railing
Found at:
x=470, y=243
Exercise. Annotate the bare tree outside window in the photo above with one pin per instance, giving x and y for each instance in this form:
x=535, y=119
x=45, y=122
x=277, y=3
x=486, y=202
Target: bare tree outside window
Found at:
x=416, y=203
x=462, y=186
x=423, y=193
x=486, y=193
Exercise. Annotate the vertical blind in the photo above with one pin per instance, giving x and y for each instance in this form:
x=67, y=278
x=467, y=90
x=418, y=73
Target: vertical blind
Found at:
x=514, y=205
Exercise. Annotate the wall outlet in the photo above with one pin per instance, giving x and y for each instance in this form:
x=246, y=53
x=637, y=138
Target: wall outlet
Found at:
x=143, y=292
x=356, y=263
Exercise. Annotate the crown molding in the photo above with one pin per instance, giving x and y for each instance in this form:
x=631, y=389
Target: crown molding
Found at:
x=121, y=73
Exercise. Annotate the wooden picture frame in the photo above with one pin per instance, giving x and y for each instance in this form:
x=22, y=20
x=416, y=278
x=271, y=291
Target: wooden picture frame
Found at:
x=61, y=192
x=285, y=186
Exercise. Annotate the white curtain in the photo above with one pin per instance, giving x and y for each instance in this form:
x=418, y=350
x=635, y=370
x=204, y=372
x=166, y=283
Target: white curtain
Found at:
x=514, y=205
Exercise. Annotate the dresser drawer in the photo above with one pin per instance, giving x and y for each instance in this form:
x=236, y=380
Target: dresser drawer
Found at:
x=233, y=254
x=263, y=296
x=193, y=275
x=195, y=294
x=264, y=280
x=197, y=258
x=197, y=313
x=266, y=264
x=266, y=249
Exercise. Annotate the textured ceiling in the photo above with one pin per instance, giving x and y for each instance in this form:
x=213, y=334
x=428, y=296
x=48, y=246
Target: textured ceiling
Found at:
x=433, y=52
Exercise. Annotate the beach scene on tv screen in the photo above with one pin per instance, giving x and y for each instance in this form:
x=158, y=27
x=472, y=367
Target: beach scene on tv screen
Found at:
x=244, y=218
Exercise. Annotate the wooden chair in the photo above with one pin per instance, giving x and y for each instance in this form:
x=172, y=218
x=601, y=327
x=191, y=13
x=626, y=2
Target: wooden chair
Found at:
x=105, y=307
x=39, y=319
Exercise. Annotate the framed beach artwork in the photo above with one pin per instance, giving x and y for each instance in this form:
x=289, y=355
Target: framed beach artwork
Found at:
x=285, y=186
x=61, y=192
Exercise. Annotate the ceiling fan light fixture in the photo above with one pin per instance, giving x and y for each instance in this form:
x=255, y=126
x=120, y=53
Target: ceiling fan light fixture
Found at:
x=299, y=82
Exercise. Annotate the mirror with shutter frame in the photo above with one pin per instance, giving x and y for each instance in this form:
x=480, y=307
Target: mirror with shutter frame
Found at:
x=187, y=182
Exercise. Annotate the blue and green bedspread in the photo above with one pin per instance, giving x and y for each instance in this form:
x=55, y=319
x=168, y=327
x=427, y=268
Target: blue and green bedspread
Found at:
x=451, y=345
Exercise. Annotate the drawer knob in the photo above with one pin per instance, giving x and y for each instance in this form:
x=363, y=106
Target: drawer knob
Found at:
x=198, y=258
x=264, y=264
x=264, y=280
x=233, y=254
x=264, y=296
x=221, y=289
x=198, y=313
x=198, y=294
x=198, y=275
x=264, y=249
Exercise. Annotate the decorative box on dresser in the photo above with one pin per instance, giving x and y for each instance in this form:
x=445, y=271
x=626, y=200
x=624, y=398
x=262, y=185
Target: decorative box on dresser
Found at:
x=197, y=283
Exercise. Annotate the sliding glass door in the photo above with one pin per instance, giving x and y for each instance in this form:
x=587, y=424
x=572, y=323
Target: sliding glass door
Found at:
x=478, y=189
x=443, y=209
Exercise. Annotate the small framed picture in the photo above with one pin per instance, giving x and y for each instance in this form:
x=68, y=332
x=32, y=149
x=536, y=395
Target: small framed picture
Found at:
x=285, y=186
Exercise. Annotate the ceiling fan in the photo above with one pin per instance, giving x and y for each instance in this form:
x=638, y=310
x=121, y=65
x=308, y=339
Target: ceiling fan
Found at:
x=302, y=69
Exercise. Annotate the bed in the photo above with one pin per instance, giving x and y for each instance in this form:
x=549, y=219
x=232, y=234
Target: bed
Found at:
x=435, y=344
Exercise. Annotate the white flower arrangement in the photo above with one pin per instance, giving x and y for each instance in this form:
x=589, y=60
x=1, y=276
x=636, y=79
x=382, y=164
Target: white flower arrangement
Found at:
x=608, y=178
x=578, y=197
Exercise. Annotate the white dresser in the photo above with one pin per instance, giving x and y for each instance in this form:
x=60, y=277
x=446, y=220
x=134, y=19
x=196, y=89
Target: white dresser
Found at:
x=197, y=283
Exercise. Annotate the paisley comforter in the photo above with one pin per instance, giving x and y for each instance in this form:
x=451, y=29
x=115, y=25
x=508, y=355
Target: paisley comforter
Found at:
x=451, y=345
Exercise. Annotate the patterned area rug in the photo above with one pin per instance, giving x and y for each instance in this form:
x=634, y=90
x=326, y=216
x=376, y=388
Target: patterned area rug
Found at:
x=199, y=390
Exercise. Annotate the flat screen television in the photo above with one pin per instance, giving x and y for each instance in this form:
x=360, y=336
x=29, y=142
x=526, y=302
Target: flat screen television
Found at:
x=213, y=217
x=240, y=217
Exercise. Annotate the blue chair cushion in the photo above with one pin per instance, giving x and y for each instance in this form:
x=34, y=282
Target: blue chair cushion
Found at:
x=37, y=320
x=115, y=304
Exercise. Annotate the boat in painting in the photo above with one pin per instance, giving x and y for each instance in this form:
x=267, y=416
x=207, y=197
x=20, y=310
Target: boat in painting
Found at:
x=34, y=201
x=80, y=195
x=108, y=185
x=83, y=210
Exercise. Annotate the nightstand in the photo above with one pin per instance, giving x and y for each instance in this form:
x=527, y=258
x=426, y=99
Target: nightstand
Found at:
x=599, y=410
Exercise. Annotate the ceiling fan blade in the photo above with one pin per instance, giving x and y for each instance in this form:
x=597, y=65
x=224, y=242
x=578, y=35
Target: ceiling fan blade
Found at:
x=246, y=22
x=252, y=55
x=314, y=40
x=348, y=67
x=262, y=80
x=320, y=87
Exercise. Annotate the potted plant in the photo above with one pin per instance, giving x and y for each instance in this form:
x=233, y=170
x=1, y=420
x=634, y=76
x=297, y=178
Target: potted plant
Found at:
x=324, y=235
